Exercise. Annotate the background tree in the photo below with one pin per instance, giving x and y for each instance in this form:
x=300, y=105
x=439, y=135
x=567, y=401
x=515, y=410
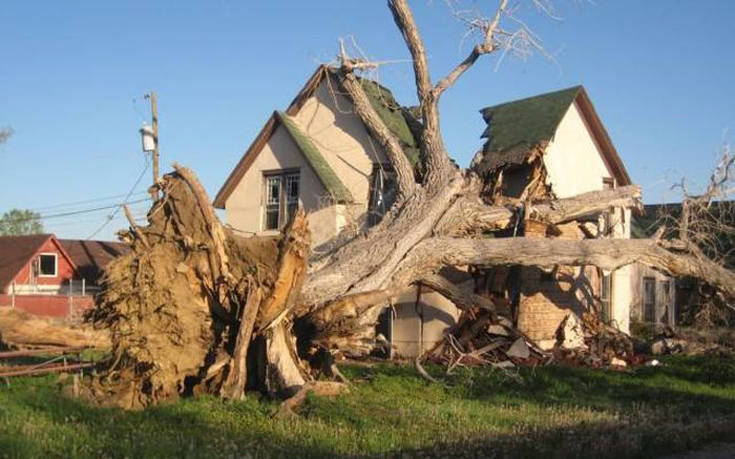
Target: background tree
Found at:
x=5, y=134
x=17, y=222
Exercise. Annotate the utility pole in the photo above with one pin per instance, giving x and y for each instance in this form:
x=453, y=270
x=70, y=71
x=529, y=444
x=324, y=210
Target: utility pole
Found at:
x=154, y=122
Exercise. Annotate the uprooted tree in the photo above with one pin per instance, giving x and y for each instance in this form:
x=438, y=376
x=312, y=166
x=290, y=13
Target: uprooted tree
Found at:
x=193, y=308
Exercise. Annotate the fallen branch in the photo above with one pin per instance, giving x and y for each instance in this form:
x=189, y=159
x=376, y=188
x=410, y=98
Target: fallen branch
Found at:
x=322, y=388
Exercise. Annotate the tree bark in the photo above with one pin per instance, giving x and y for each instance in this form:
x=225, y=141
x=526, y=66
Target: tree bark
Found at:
x=608, y=254
x=379, y=131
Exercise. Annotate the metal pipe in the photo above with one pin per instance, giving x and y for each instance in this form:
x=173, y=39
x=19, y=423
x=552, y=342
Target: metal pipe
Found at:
x=45, y=370
x=33, y=352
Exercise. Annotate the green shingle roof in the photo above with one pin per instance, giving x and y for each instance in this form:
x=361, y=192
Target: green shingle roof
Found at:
x=513, y=128
x=392, y=114
x=321, y=167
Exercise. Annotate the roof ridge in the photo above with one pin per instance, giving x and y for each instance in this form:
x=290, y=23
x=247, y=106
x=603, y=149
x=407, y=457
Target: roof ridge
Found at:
x=576, y=89
x=316, y=160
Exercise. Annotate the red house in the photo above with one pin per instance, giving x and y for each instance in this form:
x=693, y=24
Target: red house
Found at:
x=47, y=276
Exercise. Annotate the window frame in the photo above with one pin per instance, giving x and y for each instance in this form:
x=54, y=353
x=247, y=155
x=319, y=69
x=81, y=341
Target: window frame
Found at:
x=606, y=301
x=649, y=306
x=56, y=264
x=374, y=215
x=284, y=201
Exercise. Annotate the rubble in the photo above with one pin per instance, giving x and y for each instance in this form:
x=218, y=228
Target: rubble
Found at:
x=519, y=349
x=481, y=339
x=571, y=334
x=590, y=342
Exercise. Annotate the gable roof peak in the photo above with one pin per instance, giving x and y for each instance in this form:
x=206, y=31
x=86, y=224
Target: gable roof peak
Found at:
x=16, y=251
x=517, y=127
x=324, y=172
x=560, y=96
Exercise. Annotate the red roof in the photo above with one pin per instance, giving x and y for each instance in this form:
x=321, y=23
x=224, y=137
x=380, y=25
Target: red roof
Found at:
x=91, y=257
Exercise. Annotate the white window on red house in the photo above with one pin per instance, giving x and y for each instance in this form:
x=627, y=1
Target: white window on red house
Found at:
x=281, y=198
x=47, y=265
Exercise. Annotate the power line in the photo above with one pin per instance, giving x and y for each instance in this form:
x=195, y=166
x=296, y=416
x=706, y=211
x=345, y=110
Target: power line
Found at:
x=83, y=222
x=85, y=201
x=75, y=212
x=125, y=201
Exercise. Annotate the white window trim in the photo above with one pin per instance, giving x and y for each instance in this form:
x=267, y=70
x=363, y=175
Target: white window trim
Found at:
x=282, y=200
x=56, y=264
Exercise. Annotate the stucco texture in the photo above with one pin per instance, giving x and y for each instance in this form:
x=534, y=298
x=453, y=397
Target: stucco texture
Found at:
x=328, y=120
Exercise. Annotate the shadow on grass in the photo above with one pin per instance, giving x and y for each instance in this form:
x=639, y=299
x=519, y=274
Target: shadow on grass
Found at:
x=56, y=426
x=556, y=412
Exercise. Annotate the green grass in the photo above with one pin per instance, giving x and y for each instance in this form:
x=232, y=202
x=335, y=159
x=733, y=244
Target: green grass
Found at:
x=555, y=412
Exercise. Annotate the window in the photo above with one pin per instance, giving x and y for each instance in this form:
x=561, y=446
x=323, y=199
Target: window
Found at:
x=605, y=296
x=47, y=265
x=382, y=193
x=281, y=198
x=649, y=299
x=665, y=301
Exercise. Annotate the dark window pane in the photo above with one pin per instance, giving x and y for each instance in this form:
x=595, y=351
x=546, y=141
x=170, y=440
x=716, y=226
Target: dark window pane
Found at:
x=280, y=189
x=649, y=299
x=48, y=265
x=292, y=188
x=271, y=217
x=382, y=194
x=273, y=190
x=605, y=294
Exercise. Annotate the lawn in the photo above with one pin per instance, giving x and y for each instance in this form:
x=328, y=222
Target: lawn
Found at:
x=554, y=412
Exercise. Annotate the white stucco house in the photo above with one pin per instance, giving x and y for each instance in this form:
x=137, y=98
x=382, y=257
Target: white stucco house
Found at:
x=318, y=154
x=554, y=145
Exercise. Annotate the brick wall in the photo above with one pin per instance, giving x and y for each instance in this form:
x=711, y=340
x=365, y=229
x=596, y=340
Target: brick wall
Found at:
x=548, y=296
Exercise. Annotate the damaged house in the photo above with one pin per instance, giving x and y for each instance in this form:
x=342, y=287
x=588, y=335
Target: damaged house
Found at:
x=317, y=154
x=555, y=146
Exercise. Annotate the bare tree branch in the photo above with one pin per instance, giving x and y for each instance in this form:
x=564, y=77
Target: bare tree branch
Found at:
x=487, y=46
x=435, y=156
x=470, y=215
x=5, y=134
x=377, y=128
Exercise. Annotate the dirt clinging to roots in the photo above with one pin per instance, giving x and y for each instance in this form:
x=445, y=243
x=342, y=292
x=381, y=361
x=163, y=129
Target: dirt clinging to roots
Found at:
x=172, y=304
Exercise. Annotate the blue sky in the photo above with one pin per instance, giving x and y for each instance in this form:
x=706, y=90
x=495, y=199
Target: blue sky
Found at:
x=658, y=71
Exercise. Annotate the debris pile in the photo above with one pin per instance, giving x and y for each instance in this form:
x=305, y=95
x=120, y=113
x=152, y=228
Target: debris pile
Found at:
x=480, y=339
x=690, y=342
x=592, y=343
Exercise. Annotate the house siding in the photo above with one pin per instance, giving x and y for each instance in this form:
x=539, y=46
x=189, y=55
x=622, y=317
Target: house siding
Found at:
x=330, y=121
x=244, y=207
x=331, y=124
